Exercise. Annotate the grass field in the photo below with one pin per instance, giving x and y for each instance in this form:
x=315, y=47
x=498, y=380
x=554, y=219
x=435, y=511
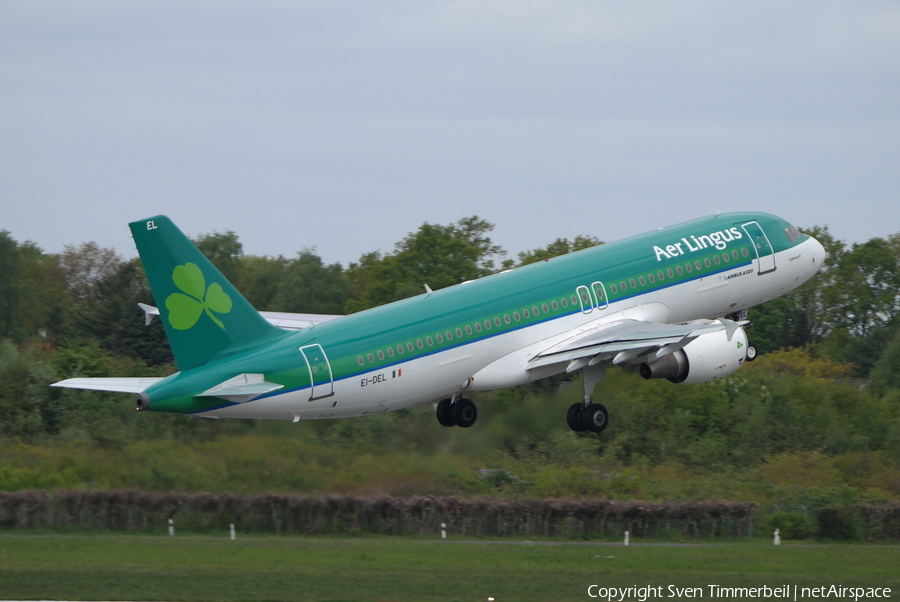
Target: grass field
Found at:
x=115, y=567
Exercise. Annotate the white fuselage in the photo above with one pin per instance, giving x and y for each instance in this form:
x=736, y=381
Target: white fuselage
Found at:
x=501, y=360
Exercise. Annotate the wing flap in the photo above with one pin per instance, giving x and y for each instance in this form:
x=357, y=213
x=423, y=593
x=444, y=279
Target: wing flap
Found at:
x=115, y=385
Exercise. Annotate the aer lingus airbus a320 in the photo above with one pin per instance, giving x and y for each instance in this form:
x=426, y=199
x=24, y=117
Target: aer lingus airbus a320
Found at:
x=671, y=301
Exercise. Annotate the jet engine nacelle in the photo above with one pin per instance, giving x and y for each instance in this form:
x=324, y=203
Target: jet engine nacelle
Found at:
x=706, y=358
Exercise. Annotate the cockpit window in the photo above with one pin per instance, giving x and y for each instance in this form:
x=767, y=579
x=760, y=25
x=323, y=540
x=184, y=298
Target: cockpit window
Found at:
x=793, y=234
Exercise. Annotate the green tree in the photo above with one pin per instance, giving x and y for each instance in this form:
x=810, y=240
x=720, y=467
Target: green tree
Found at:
x=886, y=372
x=309, y=286
x=45, y=304
x=260, y=279
x=435, y=255
x=86, y=265
x=560, y=246
x=115, y=321
x=225, y=251
x=10, y=288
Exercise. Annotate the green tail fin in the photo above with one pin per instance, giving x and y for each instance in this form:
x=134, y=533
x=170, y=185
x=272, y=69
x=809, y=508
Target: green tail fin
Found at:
x=203, y=314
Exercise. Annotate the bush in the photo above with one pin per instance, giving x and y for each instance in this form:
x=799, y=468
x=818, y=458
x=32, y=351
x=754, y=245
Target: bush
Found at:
x=793, y=525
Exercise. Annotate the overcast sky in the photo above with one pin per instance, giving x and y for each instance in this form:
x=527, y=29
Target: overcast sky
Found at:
x=343, y=126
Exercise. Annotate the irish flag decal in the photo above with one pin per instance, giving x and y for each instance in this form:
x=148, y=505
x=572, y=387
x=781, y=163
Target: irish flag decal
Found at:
x=397, y=373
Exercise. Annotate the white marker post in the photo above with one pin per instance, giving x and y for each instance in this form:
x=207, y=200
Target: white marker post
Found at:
x=443, y=530
x=171, y=528
x=232, y=532
x=626, y=538
x=777, y=537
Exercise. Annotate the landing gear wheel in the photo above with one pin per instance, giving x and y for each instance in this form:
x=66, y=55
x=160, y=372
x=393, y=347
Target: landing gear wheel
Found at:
x=573, y=417
x=751, y=353
x=465, y=413
x=445, y=413
x=595, y=417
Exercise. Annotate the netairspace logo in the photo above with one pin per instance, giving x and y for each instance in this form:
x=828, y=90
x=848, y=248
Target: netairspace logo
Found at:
x=718, y=592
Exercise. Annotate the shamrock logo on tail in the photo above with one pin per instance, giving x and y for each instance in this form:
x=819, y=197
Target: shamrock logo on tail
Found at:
x=185, y=309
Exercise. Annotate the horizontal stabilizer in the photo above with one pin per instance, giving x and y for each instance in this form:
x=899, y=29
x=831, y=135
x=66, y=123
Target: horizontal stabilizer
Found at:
x=242, y=388
x=283, y=320
x=116, y=385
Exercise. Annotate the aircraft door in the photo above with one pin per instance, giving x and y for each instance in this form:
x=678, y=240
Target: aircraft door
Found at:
x=600, y=294
x=765, y=255
x=320, y=376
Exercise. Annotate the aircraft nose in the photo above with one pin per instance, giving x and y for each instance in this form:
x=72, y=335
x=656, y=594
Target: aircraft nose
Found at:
x=817, y=251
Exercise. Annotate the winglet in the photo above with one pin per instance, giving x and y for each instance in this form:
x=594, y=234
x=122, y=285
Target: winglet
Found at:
x=149, y=313
x=731, y=326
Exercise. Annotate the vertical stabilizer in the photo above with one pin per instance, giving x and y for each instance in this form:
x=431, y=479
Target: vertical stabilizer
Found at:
x=203, y=314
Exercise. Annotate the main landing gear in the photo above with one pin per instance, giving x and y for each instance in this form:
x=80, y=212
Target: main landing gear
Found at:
x=457, y=411
x=587, y=415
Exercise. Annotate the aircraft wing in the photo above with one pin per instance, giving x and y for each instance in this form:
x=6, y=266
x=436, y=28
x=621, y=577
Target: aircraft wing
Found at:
x=623, y=340
x=283, y=320
x=116, y=385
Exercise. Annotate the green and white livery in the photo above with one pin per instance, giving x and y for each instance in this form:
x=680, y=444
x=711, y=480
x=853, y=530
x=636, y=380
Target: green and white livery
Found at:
x=672, y=302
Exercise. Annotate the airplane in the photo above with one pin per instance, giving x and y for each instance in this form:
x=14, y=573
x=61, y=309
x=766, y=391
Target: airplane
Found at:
x=671, y=302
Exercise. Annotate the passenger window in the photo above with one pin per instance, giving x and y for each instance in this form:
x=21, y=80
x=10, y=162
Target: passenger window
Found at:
x=726, y=257
x=642, y=281
x=614, y=288
x=371, y=358
x=449, y=335
x=744, y=251
x=698, y=265
x=660, y=275
x=651, y=278
x=555, y=305
x=623, y=286
x=497, y=322
x=535, y=311
x=440, y=339
x=545, y=308
x=506, y=318
x=516, y=316
x=429, y=341
x=360, y=360
x=735, y=253
x=564, y=301
x=409, y=346
x=459, y=333
x=380, y=354
x=716, y=259
x=487, y=324
x=400, y=349
x=391, y=351
x=706, y=261
x=419, y=343
x=525, y=313
x=468, y=329
x=574, y=301
x=689, y=268
x=670, y=273
x=679, y=270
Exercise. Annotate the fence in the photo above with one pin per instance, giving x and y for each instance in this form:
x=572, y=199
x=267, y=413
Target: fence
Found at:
x=131, y=510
